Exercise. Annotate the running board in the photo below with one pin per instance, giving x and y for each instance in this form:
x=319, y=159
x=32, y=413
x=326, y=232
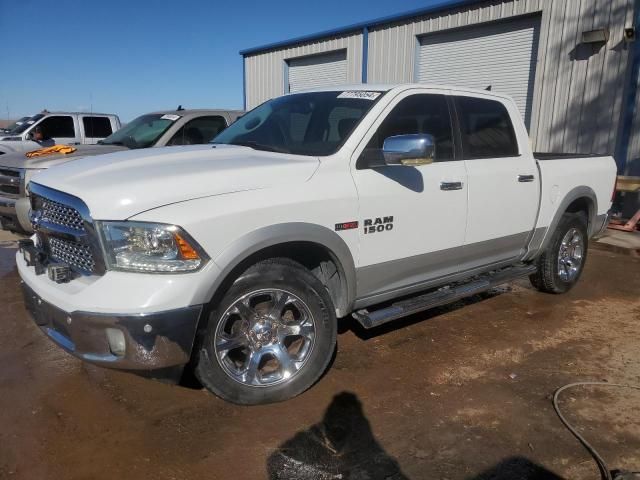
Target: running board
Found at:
x=442, y=296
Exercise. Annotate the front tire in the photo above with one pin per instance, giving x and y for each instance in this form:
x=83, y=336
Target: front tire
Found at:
x=271, y=336
x=562, y=262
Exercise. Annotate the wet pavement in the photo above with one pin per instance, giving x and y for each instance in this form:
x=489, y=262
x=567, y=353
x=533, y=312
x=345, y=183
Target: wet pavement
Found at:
x=452, y=393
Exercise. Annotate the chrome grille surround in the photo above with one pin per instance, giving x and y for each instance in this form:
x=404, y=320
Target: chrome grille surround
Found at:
x=65, y=230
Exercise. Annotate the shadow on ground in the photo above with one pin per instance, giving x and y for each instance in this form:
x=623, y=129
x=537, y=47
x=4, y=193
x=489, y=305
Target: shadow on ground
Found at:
x=342, y=446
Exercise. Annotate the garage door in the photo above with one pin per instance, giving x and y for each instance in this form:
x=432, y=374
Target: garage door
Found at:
x=501, y=56
x=318, y=71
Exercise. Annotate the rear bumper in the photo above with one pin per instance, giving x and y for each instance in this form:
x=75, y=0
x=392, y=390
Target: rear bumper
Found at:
x=152, y=341
x=600, y=225
x=14, y=213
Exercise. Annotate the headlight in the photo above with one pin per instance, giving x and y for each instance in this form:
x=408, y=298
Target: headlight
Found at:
x=149, y=247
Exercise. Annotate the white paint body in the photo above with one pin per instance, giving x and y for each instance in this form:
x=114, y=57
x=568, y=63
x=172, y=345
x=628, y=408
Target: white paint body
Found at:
x=221, y=194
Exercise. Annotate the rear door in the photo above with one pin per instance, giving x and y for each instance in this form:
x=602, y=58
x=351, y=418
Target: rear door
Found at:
x=95, y=128
x=503, y=181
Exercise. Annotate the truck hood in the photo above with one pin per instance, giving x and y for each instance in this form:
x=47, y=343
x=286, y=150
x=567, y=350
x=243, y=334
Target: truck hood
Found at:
x=119, y=185
x=20, y=160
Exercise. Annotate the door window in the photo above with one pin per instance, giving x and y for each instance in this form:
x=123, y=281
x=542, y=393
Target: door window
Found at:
x=97, y=127
x=486, y=128
x=421, y=113
x=199, y=130
x=58, y=126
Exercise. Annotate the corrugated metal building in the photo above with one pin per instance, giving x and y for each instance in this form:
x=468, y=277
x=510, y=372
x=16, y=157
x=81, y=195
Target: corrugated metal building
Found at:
x=577, y=95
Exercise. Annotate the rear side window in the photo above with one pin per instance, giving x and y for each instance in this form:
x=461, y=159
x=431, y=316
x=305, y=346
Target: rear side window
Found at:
x=57, y=126
x=97, y=127
x=486, y=128
x=199, y=130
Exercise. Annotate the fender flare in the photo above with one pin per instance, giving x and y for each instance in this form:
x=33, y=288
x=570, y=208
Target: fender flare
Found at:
x=569, y=198
x=281, y=233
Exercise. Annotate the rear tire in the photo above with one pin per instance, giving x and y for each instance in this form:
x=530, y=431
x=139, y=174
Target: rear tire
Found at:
x=271, y=336
x=561, y=263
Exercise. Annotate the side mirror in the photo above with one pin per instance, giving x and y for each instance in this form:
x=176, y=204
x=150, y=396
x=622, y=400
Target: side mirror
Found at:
x=411, y=150
x=29, y=136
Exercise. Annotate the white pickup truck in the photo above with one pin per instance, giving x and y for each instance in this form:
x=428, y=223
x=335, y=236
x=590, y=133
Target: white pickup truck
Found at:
x=240, y=256
x=71, y=128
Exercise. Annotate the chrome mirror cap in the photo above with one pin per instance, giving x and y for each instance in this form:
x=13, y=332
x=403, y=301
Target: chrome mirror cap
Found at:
x=409, y=150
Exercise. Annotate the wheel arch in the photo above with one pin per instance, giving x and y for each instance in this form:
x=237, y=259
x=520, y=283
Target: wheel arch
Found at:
x=579, y=199
x=303, y=242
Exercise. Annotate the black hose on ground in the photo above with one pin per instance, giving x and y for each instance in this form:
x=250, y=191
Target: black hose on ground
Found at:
x=605, y=472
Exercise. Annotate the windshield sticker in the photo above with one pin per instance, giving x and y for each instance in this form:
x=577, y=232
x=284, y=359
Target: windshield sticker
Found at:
x=170, y=116
x=360, y=94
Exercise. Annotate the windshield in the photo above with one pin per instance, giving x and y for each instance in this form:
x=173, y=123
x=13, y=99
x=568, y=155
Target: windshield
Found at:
x=315, y=123
x=17, y=123
x=26, y=125
x=143, y=132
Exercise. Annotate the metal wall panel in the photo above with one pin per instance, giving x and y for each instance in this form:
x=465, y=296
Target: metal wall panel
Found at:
x=264, y=72
x=318, y=71
x=500, y=56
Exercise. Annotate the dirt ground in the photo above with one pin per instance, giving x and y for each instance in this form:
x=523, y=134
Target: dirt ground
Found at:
x=449, y=394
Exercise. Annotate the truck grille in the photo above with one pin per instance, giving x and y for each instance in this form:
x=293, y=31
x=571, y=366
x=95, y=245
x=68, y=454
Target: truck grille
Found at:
x=73, y=253
x=65, y=230
x=60, y=214
x=10, y=181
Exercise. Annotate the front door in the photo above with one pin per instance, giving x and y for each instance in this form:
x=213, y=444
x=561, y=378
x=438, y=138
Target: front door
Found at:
x=412, y=219
x=60, y=129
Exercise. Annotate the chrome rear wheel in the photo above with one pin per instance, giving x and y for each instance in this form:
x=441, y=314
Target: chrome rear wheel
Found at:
x=570, y=255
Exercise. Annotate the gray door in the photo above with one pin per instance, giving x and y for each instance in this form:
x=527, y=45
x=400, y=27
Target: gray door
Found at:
x=318, y=71
x=500, y=55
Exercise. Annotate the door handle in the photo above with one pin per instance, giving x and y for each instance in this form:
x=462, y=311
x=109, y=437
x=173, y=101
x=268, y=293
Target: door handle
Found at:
x=447, y=186
x=526, y=178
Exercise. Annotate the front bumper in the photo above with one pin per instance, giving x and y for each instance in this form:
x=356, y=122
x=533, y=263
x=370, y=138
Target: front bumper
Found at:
x=153, y=340
x=14, y=214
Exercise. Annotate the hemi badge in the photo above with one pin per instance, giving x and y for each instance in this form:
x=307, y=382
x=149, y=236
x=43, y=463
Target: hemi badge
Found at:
x=346, y=226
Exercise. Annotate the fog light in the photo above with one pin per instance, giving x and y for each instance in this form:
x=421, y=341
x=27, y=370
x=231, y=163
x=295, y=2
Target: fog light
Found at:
x=116, y=341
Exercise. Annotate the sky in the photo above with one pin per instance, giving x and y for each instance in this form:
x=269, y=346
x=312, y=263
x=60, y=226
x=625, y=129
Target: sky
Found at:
x=134, y=56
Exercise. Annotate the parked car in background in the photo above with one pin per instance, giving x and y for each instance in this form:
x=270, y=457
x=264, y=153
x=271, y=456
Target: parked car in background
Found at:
x=9, y=128
x=70, y=128
x=239, y=257
x=157, y=129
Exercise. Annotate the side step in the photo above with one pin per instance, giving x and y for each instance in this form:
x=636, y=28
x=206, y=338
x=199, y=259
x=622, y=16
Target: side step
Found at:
x=442, y=296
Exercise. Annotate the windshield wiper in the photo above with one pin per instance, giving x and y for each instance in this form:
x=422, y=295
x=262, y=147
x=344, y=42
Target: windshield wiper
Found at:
x=260, y=146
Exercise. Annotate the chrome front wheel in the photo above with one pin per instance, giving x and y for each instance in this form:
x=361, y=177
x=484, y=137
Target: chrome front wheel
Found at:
x=269, y=337
x=265, y=337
